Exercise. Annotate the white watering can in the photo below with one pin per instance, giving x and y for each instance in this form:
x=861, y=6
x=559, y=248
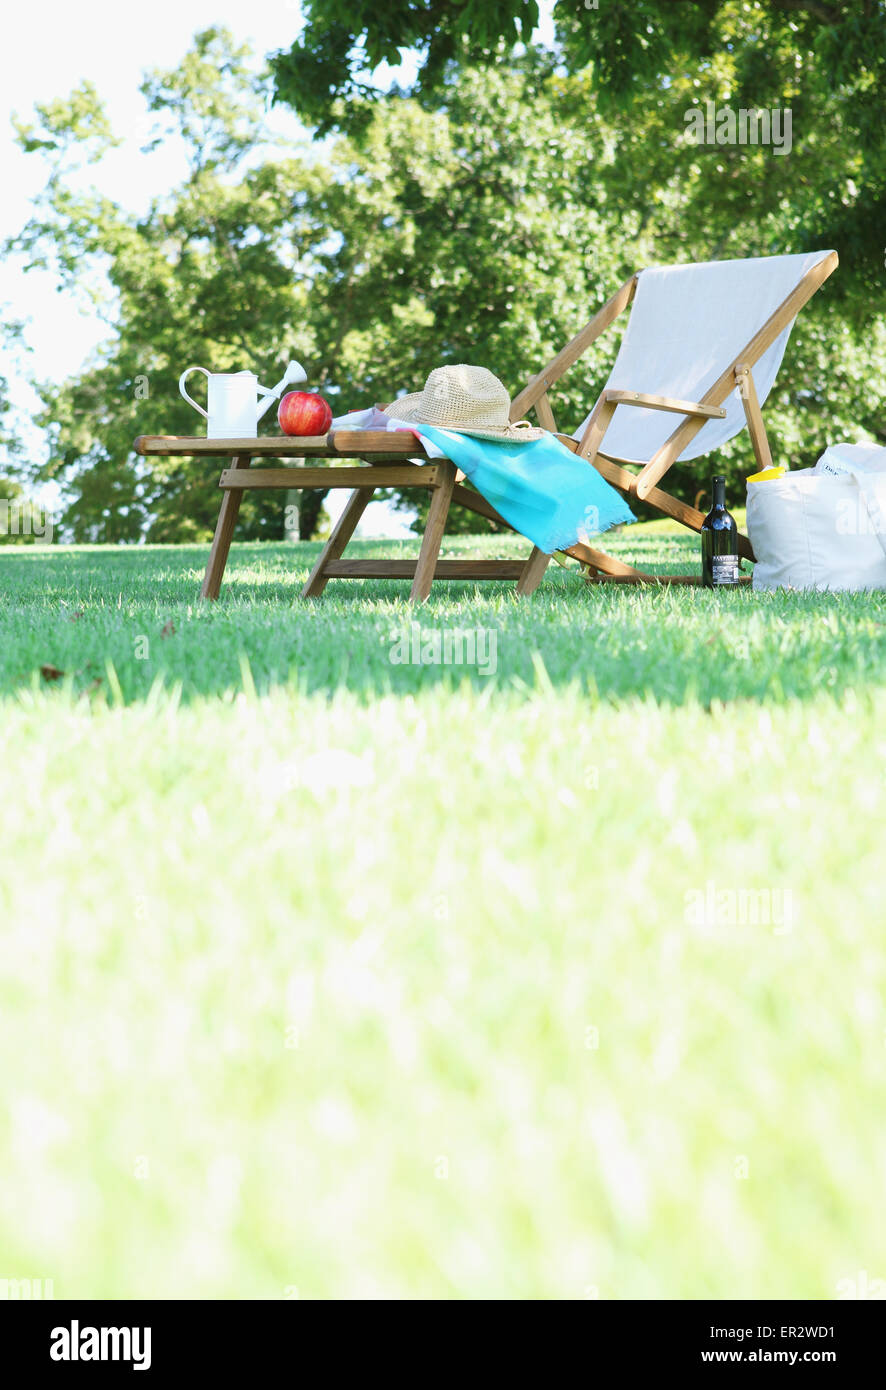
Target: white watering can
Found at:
x=233, y=400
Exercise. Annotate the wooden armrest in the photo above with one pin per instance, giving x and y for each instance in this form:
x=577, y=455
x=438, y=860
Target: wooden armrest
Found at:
x=710, y=412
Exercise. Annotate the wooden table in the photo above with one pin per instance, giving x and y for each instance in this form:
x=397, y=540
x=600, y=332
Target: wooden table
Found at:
x=388, y=455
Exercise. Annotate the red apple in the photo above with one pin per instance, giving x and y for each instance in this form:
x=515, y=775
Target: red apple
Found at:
x=304, y=412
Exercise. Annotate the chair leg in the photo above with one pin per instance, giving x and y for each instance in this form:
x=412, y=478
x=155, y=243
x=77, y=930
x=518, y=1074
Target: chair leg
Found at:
x=341, y=533
x=433, y=537
x=533, y=571
x=603, y=564
x=224, y=531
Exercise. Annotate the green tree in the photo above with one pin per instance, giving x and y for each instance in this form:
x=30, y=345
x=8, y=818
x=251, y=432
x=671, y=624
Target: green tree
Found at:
x=826, y=61
x=443, y=235
x=21, y=521
x=615, y=98
x=482, y=223
x=326, y=72
x=513, y=205
x=217, y=272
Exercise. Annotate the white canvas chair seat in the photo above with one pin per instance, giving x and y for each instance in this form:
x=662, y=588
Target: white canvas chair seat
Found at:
x=686, y=324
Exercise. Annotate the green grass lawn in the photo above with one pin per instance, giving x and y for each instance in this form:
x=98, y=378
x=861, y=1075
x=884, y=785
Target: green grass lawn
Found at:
x=331, y=974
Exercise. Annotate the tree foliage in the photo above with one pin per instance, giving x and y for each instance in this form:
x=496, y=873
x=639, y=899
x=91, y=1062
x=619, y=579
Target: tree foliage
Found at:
x=216, y=273
x=325, y=72
x=20, y=518
x=825, y=61
x=482, y=221
x=442, y=235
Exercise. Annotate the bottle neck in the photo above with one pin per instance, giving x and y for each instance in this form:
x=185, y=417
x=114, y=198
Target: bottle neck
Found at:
x=719, y=490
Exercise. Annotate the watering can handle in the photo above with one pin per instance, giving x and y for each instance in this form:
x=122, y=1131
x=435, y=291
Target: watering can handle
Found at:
x=181, y=387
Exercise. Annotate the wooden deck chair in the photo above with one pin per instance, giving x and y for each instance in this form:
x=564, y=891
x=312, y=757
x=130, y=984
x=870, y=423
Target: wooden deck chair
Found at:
x=704, y=343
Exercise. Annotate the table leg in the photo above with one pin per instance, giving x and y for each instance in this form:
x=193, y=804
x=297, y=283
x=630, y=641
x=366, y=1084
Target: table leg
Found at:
x=224, y=531
x=441, y=496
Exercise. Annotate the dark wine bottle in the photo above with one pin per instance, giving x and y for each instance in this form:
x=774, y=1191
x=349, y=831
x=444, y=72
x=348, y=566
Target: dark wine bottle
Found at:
x=719, y=542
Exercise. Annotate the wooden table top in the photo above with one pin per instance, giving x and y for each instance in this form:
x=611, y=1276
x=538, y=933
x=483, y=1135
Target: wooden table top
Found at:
x=337, y=444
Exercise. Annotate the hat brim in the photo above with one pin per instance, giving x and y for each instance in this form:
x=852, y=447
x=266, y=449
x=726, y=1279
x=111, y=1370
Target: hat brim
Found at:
x=410, y=410
x=504, y=434
x=406, y=408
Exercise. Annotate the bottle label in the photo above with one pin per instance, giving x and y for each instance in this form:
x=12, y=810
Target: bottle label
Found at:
x=725, y=569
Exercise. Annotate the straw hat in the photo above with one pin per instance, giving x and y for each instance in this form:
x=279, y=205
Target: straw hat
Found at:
x=468, y=399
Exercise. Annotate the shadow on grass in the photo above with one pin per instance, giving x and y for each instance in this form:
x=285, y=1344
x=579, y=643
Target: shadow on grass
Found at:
x=116, y=622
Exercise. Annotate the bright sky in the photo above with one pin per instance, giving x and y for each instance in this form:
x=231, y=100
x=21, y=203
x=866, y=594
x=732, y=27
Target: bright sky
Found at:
x=60, y=44
x=53, y=45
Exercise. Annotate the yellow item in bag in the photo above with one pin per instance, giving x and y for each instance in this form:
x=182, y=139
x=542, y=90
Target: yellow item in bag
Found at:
x=778, y=470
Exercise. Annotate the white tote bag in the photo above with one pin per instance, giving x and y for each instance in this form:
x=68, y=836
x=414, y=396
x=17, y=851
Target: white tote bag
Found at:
x=839, y=459
x=811, y=531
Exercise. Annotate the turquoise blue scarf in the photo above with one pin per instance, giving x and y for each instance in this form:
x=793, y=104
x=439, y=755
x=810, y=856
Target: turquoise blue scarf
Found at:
x=540, y=488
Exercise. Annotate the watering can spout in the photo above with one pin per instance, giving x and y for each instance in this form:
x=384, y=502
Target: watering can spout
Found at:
x=293, y=376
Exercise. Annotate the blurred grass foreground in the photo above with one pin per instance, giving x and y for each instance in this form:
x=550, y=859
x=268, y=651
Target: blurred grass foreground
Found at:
x=328, y=976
